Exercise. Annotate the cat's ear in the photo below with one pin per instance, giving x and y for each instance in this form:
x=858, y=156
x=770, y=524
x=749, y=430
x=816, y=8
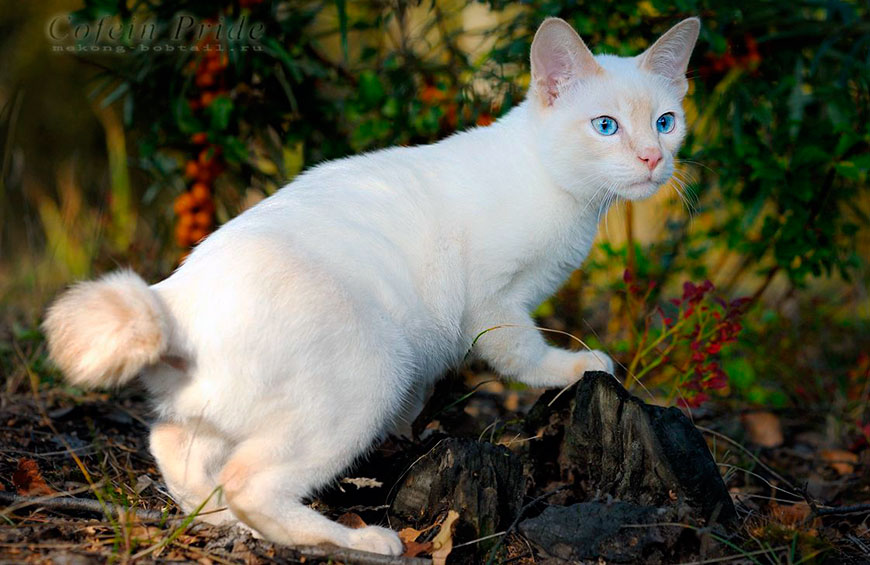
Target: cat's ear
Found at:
x=559, y=57
x=669, y=56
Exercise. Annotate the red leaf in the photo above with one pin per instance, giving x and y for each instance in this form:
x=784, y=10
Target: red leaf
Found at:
x=27, y=479
x=351, y=520
x=413, y=548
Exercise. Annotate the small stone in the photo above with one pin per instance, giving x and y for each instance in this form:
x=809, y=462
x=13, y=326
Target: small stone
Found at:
x=615, y=532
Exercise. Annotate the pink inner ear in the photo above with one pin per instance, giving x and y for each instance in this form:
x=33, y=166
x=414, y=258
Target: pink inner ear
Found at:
x=559, y=57
x=669, y=56
x=553, y=65
x=558, y=73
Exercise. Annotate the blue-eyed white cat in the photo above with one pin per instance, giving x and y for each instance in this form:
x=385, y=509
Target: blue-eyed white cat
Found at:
x=308, y=327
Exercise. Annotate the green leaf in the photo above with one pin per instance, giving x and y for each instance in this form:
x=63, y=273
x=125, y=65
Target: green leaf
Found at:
x=848, y=170
x=846, y=142
x=221, y=109
x=390, y=109
x=849, y=228
x=757, y=394
x=740, y=373
x=545, y=310
x=862, y=162
x=342, y=25
x=235, y=150
x=371, y=91
x=186, y=122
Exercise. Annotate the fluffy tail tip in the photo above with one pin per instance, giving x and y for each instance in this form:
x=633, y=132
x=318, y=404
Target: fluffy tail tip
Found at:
x=102, y=333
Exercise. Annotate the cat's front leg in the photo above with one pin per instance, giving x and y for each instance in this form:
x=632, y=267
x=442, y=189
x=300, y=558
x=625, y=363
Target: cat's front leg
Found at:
x=517, y=350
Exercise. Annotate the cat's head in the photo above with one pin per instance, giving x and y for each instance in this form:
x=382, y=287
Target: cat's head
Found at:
x=608, y=124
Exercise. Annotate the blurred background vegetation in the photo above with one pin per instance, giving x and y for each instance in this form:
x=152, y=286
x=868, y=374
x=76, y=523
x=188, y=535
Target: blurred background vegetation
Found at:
x=114, y=155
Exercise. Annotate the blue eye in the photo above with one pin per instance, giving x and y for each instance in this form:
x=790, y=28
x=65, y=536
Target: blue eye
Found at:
x=605, y=125
x=666, y=123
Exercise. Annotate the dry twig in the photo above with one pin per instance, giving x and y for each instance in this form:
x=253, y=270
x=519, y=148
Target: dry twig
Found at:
x=71, y=504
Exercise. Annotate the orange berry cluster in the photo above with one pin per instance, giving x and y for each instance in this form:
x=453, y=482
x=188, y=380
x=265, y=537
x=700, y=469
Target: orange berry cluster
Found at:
x=194, y=208
x=745, y=56
x=431, y=95
x=208, y=73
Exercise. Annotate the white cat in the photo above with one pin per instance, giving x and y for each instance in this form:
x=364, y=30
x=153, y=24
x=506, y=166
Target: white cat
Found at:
x=309, y=326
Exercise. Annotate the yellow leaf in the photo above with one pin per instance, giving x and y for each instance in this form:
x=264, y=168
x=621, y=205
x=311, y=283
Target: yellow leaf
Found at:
x=265, y=166
x=443, y=542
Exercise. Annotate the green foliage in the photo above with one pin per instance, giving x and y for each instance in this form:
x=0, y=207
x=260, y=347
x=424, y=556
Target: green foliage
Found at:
x=783, y=116
x=779, y=102
x=283, y=82
x=780, y=93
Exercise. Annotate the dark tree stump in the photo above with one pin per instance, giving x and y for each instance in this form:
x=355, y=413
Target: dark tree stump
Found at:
x=483, y=482
x=618, y=532
x=612, y=443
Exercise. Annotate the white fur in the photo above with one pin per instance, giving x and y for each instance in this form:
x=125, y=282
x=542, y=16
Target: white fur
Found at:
x=101, y=333
x=304, y=329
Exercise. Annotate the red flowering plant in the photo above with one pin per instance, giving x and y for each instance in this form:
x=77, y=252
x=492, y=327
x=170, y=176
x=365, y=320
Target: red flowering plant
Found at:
x=680, y=341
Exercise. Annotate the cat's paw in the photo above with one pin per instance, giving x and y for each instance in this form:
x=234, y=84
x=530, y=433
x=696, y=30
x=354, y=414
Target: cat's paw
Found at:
x=593, y=360
x=376, y=540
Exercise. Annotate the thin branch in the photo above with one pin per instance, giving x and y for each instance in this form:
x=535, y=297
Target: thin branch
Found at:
x=749, y=453
x=72, y=504
x=841, y=510
x=332, y=554
x=767, y=280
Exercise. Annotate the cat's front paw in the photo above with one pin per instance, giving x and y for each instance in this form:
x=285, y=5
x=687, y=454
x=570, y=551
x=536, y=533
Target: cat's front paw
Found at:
x=376, y=540
x=593, y=360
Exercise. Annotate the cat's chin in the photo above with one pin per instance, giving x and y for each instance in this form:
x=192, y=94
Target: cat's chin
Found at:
x=638, y=190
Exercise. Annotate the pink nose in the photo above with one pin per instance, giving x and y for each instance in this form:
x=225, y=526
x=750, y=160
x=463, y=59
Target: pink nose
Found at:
x=651, y=156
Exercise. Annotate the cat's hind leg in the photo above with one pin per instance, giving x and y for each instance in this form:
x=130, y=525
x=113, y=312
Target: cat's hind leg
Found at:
x=307, y=444
x=190, y=456
x=414, y=403
x=266, y=494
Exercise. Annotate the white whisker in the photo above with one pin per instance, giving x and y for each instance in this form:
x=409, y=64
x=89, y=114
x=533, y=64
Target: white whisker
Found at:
x=696, y=163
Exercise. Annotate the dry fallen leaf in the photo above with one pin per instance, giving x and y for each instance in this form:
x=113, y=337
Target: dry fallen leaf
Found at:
x=790, y=515
x=142, y=483
x=27, y=479
x=351, y=520
x=409, y=534
x=443, y=542
x=362, y=482
x=412, y=547
x=763, y=428
x=840, y=460
x=144, y=532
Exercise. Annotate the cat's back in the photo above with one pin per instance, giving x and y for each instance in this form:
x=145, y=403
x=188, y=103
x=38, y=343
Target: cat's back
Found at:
x=377, y=224
x=357, y=238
